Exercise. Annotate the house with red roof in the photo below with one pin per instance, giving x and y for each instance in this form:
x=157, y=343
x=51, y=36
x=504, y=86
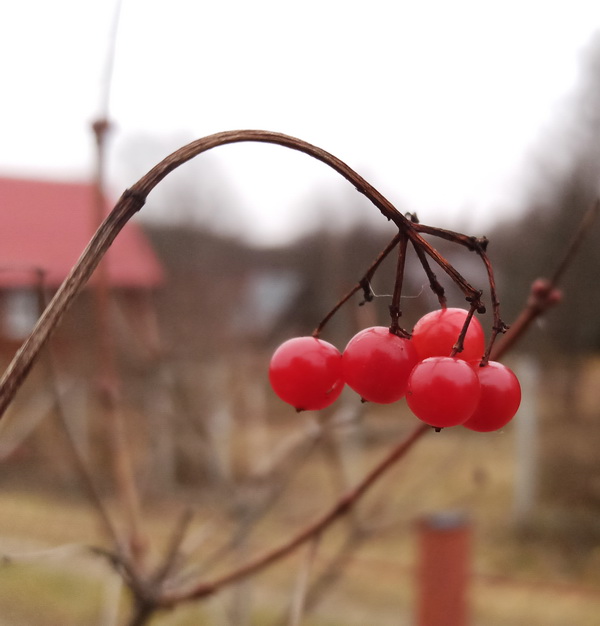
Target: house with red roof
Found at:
x=44, y=227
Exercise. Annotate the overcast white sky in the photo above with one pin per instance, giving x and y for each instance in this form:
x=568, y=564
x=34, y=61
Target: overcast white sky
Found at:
x=438, y=104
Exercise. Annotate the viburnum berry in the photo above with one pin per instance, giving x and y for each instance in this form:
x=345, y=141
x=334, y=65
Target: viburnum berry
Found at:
x=443, y=391
x=436, y=333
x=377, y=363
x=499, y=400
x=306, y=372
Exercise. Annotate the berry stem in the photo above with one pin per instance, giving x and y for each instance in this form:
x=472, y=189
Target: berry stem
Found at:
x=364, y=283
x=434, y=284
x=395, y=311
x=479, y=246
x=460, y=342
x=472, y=295
x=498, y=326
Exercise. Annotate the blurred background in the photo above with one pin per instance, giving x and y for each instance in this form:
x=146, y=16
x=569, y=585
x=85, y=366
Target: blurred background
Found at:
x=475, y=117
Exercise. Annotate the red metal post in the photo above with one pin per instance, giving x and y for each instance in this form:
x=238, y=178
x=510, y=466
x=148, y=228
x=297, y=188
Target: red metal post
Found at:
x=443, y=570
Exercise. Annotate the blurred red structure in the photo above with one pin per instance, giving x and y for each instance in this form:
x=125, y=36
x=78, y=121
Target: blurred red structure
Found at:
x=443, y=570
x=45, y=225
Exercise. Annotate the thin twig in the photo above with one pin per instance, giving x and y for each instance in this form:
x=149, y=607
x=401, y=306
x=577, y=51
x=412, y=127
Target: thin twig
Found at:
x=81, y=467
x=434, y=284
x=364, y=283
x=287, y=461
x=544, y=293
x=498, y=325
x=475, y=244
x=472, y=295
x=340, y=508
x=460, y=342
x=580, y=234
x=336, y=567
x=395, y=311
x=299, y=596
x=170, y=557
x=109, y=385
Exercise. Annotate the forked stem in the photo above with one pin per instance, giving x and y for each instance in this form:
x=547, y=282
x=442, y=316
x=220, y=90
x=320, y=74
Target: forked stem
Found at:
x=395, y=311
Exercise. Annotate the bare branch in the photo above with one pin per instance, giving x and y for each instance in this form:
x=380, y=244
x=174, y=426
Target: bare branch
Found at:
x=340, y=508
x=544, y=293
x=128, y=205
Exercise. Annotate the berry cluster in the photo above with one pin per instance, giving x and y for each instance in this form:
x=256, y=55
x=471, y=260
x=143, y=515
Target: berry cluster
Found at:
x=441, y=388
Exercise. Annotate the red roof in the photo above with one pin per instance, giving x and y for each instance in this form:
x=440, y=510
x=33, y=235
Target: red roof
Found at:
x=47, y=225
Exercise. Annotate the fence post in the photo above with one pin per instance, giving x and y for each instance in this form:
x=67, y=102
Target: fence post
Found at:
x=443, y=570
x=527, y=452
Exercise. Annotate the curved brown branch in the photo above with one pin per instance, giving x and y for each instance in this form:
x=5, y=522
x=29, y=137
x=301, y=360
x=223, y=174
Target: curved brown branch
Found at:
x=134, y=198
x=130, y=203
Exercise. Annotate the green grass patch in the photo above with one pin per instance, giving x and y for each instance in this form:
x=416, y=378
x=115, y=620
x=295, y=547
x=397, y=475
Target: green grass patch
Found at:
x=34, y=594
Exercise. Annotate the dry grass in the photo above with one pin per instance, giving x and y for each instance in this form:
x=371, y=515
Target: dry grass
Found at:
x=517, y=579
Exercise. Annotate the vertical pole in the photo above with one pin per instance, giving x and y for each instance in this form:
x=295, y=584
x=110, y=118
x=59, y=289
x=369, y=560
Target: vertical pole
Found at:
x=110, y=384
x=443, y=570
x=526, y=430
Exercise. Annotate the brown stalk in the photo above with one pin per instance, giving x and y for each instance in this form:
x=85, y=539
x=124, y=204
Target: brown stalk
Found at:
x=544, y=293
x=459, y=345
x=498, y=326
x=433, y=281
x=471, y=294
x=395, y=311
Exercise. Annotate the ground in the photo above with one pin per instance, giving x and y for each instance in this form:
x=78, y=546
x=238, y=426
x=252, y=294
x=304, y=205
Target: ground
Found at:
x=49, y=576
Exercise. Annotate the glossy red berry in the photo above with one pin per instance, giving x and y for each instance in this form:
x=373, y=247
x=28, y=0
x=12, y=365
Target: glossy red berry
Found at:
x=443, y=391
x=436, y=333
x=500, y=398
x=306, y=372
x=376, y=364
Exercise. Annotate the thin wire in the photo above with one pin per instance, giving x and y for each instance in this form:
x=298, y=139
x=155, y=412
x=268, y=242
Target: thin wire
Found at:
x=106, y=86
x=389, y=295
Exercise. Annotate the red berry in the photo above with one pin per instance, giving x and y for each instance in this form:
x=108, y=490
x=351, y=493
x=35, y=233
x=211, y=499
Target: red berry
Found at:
x=306, y=372
x=443, y=391
x=436, y=333
x=376, y=364
x=499, y=400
